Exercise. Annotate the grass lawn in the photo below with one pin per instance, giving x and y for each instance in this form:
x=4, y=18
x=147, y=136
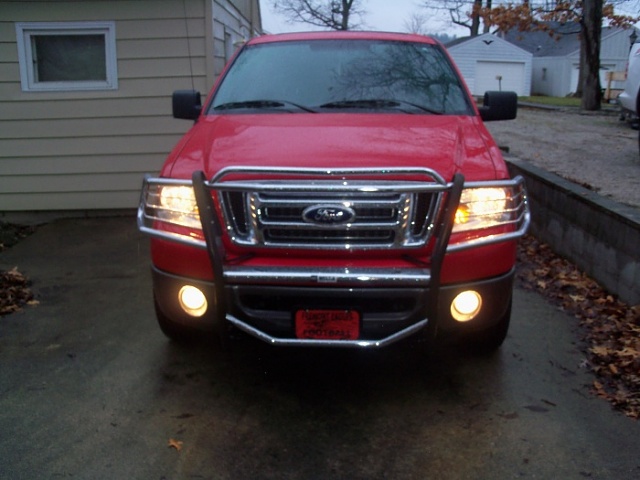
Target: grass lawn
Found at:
x=555, y=101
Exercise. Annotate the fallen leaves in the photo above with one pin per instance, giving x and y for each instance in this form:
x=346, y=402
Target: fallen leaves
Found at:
x=175, y=444
x=14, y=286
x=11, y=233
x=612, y=328
x=14, y=292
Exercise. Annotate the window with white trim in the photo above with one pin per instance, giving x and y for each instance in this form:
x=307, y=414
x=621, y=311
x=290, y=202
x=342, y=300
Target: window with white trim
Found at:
x=67, y=56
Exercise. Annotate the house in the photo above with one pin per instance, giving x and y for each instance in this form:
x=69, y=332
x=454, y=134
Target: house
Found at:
x=556, y=58
x=488, y=62
x=85, y=92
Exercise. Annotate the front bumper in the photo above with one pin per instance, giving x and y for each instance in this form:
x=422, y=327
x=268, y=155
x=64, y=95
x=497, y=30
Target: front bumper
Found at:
x=387, y=313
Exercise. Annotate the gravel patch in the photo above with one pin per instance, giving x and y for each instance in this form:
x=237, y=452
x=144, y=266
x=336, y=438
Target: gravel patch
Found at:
x=596, y=150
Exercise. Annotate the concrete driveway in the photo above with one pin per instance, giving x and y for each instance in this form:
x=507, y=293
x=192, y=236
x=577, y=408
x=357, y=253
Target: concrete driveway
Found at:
x=90, y=389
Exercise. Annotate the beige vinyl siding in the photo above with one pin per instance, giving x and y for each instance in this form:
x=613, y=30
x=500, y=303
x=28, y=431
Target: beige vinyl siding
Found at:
x=90, y=149
x=232, y=26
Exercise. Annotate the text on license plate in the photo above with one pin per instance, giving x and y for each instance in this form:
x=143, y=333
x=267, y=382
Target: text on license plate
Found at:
x=328, y=324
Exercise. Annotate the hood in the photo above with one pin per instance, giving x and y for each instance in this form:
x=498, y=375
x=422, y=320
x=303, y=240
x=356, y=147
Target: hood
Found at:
x=446, y=144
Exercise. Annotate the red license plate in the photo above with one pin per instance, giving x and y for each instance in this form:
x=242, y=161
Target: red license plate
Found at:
x=328, y=324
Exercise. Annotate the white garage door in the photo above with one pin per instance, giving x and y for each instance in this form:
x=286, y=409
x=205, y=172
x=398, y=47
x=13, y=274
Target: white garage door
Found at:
x=505, y=76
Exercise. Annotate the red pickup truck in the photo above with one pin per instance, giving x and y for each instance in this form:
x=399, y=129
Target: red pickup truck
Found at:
x=337, y=189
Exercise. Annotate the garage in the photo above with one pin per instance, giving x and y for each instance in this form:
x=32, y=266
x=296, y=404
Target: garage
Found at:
x=508, y=76
x=488, y=62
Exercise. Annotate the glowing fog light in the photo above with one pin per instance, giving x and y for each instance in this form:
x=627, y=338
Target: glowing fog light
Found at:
x=192, y=301
x=466, y=306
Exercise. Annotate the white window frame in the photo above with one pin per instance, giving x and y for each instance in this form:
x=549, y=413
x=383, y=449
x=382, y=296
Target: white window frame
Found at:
x=28, y=80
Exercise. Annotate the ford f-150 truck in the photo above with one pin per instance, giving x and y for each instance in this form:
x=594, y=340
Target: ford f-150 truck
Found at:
x=337, y=189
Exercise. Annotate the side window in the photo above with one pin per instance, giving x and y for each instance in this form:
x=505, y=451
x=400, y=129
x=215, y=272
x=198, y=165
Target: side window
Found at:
x=67, y=56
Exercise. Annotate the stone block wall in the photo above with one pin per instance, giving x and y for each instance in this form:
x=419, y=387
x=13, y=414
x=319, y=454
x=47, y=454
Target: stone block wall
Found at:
x=599, y=235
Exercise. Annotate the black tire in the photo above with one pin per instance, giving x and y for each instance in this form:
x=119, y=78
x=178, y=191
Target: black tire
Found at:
x=488, y=341
x=172, y=330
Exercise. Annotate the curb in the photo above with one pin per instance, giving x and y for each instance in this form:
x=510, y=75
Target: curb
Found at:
x=599, y=235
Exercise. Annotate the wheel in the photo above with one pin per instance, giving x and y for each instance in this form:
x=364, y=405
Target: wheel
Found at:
x=491, y=339
x=172, y=330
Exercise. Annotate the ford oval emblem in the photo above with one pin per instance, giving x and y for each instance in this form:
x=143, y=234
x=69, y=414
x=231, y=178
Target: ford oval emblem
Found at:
x=328, y=214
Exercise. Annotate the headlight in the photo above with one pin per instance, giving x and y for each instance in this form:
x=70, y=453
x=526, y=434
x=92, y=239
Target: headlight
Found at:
x=482, y=208
x=178, y=199
x=174, y=204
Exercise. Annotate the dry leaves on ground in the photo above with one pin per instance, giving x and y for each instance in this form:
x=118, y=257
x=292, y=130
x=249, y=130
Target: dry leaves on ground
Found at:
x=612, y=328
x=175, y=444
x=14, y=286
x=14, y=292
x=11, y=233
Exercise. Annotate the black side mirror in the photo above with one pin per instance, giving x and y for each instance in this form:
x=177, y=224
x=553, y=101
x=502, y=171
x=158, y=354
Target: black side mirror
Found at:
x=186, y=104
x=499, y=106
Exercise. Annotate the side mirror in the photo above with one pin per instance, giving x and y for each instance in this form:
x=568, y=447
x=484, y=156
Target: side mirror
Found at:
x=499, y=106
x=186, y=104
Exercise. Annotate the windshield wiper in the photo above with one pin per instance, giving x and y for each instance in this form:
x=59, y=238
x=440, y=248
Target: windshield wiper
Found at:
x=258, y=104
x=377, y=104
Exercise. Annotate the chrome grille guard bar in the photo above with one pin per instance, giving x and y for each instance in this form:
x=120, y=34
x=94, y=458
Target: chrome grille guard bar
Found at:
x=427, y=278
x=212, y=230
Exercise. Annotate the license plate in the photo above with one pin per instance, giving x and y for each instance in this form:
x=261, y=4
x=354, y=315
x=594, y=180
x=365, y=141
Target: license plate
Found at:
x=328, y=324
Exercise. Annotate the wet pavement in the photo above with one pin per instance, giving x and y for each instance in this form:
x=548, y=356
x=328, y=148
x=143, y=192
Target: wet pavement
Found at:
x=90, y=388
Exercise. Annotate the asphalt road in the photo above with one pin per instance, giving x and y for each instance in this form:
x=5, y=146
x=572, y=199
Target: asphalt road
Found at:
x=90, y=389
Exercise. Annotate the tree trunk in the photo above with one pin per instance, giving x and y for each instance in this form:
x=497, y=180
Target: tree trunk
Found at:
x=590, y=54
x=487, y=26
x=475, y=18
x=346, y=8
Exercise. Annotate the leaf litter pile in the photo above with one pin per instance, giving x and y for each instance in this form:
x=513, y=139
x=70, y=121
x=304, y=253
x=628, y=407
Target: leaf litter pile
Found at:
x=14, y=286
x=612, y=328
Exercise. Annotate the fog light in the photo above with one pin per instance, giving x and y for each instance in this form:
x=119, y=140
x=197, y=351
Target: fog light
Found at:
x=192, y=301
x=466, y=306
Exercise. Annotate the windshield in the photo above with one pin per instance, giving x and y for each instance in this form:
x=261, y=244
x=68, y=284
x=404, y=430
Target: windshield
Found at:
x=336, y=75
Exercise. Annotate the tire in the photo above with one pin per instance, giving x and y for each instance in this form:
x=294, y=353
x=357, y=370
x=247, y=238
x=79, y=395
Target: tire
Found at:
x=172, y=330
x=490, y=340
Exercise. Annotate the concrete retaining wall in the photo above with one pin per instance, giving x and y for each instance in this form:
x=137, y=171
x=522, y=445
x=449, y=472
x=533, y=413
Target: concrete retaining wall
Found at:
x=600, y=236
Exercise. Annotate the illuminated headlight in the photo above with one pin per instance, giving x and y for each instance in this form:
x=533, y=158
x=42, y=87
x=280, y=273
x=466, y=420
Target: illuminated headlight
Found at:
x=178, y=198
x=174, y=204
x=482, y=208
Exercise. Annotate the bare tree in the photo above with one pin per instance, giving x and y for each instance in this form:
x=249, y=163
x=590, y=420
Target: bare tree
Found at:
x=464, y=13
x=416, y=23
x=332, y=14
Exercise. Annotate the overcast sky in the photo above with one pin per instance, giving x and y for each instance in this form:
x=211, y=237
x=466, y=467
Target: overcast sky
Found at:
x=386, y=15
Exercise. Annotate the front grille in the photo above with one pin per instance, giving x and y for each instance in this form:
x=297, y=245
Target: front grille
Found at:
x=308, y=213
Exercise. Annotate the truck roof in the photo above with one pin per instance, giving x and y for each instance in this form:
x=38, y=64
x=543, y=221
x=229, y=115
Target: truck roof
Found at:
x=343, y=35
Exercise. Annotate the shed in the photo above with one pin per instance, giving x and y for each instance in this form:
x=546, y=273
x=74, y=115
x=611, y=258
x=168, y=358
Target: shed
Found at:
x=85, y=92
x=556, y=57
x=488, y=62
